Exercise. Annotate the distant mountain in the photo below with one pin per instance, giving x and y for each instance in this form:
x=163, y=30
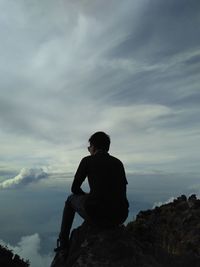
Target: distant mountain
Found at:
x=8, y=259
x=167, y=236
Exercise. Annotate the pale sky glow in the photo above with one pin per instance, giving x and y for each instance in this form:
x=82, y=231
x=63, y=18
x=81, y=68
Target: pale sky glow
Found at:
x=70, y=68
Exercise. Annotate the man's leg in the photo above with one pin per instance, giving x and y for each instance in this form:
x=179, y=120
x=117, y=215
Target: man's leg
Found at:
x=74, y=203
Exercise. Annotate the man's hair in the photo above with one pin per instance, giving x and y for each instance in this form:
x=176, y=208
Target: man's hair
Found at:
x=100, y=140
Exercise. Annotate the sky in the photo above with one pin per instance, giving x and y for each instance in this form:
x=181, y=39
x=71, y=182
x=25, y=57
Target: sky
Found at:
x=70, y=68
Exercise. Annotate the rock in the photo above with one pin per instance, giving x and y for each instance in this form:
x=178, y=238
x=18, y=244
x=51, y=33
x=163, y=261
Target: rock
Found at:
x=167, y=236
x=192, y=200
x=8, y=259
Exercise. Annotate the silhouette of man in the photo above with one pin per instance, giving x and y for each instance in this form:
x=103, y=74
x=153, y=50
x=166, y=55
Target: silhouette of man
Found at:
x=106, y=204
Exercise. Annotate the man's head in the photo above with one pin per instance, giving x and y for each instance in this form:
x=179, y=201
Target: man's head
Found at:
x=99, y=141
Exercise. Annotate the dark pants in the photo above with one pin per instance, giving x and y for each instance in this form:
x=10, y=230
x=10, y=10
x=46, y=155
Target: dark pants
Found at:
x=74, y=203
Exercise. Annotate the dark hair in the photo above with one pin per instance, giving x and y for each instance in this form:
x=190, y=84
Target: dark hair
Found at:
x=100, y=140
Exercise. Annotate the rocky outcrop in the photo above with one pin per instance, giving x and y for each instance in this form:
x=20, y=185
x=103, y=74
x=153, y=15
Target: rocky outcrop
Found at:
x=167, y=236
x=8, y=259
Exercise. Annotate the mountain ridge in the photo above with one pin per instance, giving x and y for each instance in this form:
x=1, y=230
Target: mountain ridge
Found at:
x=166, y=236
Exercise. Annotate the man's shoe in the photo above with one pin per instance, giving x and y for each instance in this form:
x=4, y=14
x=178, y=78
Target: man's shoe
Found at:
x=58, y=248
x=60, y=256
x=62, y=248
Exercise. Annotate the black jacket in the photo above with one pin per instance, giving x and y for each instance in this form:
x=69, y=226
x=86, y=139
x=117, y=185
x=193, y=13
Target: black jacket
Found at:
x=107, y=199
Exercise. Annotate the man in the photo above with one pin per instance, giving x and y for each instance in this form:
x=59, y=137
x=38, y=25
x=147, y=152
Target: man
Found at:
x=106, y=204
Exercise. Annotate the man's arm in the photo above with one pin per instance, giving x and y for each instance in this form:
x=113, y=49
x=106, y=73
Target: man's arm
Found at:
x=124, y=173
x=79, y=177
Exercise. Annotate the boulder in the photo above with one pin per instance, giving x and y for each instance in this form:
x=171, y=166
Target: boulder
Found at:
x=167, y=236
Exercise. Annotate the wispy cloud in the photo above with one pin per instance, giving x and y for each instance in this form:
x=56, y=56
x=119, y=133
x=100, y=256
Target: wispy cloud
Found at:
x=72, y=67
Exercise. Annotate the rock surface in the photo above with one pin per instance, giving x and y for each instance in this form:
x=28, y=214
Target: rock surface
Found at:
x=8, y=259
x=167, y=236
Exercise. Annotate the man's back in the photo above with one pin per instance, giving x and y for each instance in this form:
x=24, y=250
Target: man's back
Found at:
x=107, y=181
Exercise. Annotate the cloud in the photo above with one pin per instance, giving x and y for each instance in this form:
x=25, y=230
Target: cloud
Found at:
x=75, y=68
x=28, y=248
x=139, y=116
x=159, y=29
x=158, y=204
x=25, y=177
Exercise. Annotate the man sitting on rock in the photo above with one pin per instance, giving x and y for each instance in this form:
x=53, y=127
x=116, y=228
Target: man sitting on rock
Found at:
x=106, y=204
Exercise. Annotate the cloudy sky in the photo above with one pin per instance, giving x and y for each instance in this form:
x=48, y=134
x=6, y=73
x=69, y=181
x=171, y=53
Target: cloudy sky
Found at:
x=69, y=68
x=130, y=68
